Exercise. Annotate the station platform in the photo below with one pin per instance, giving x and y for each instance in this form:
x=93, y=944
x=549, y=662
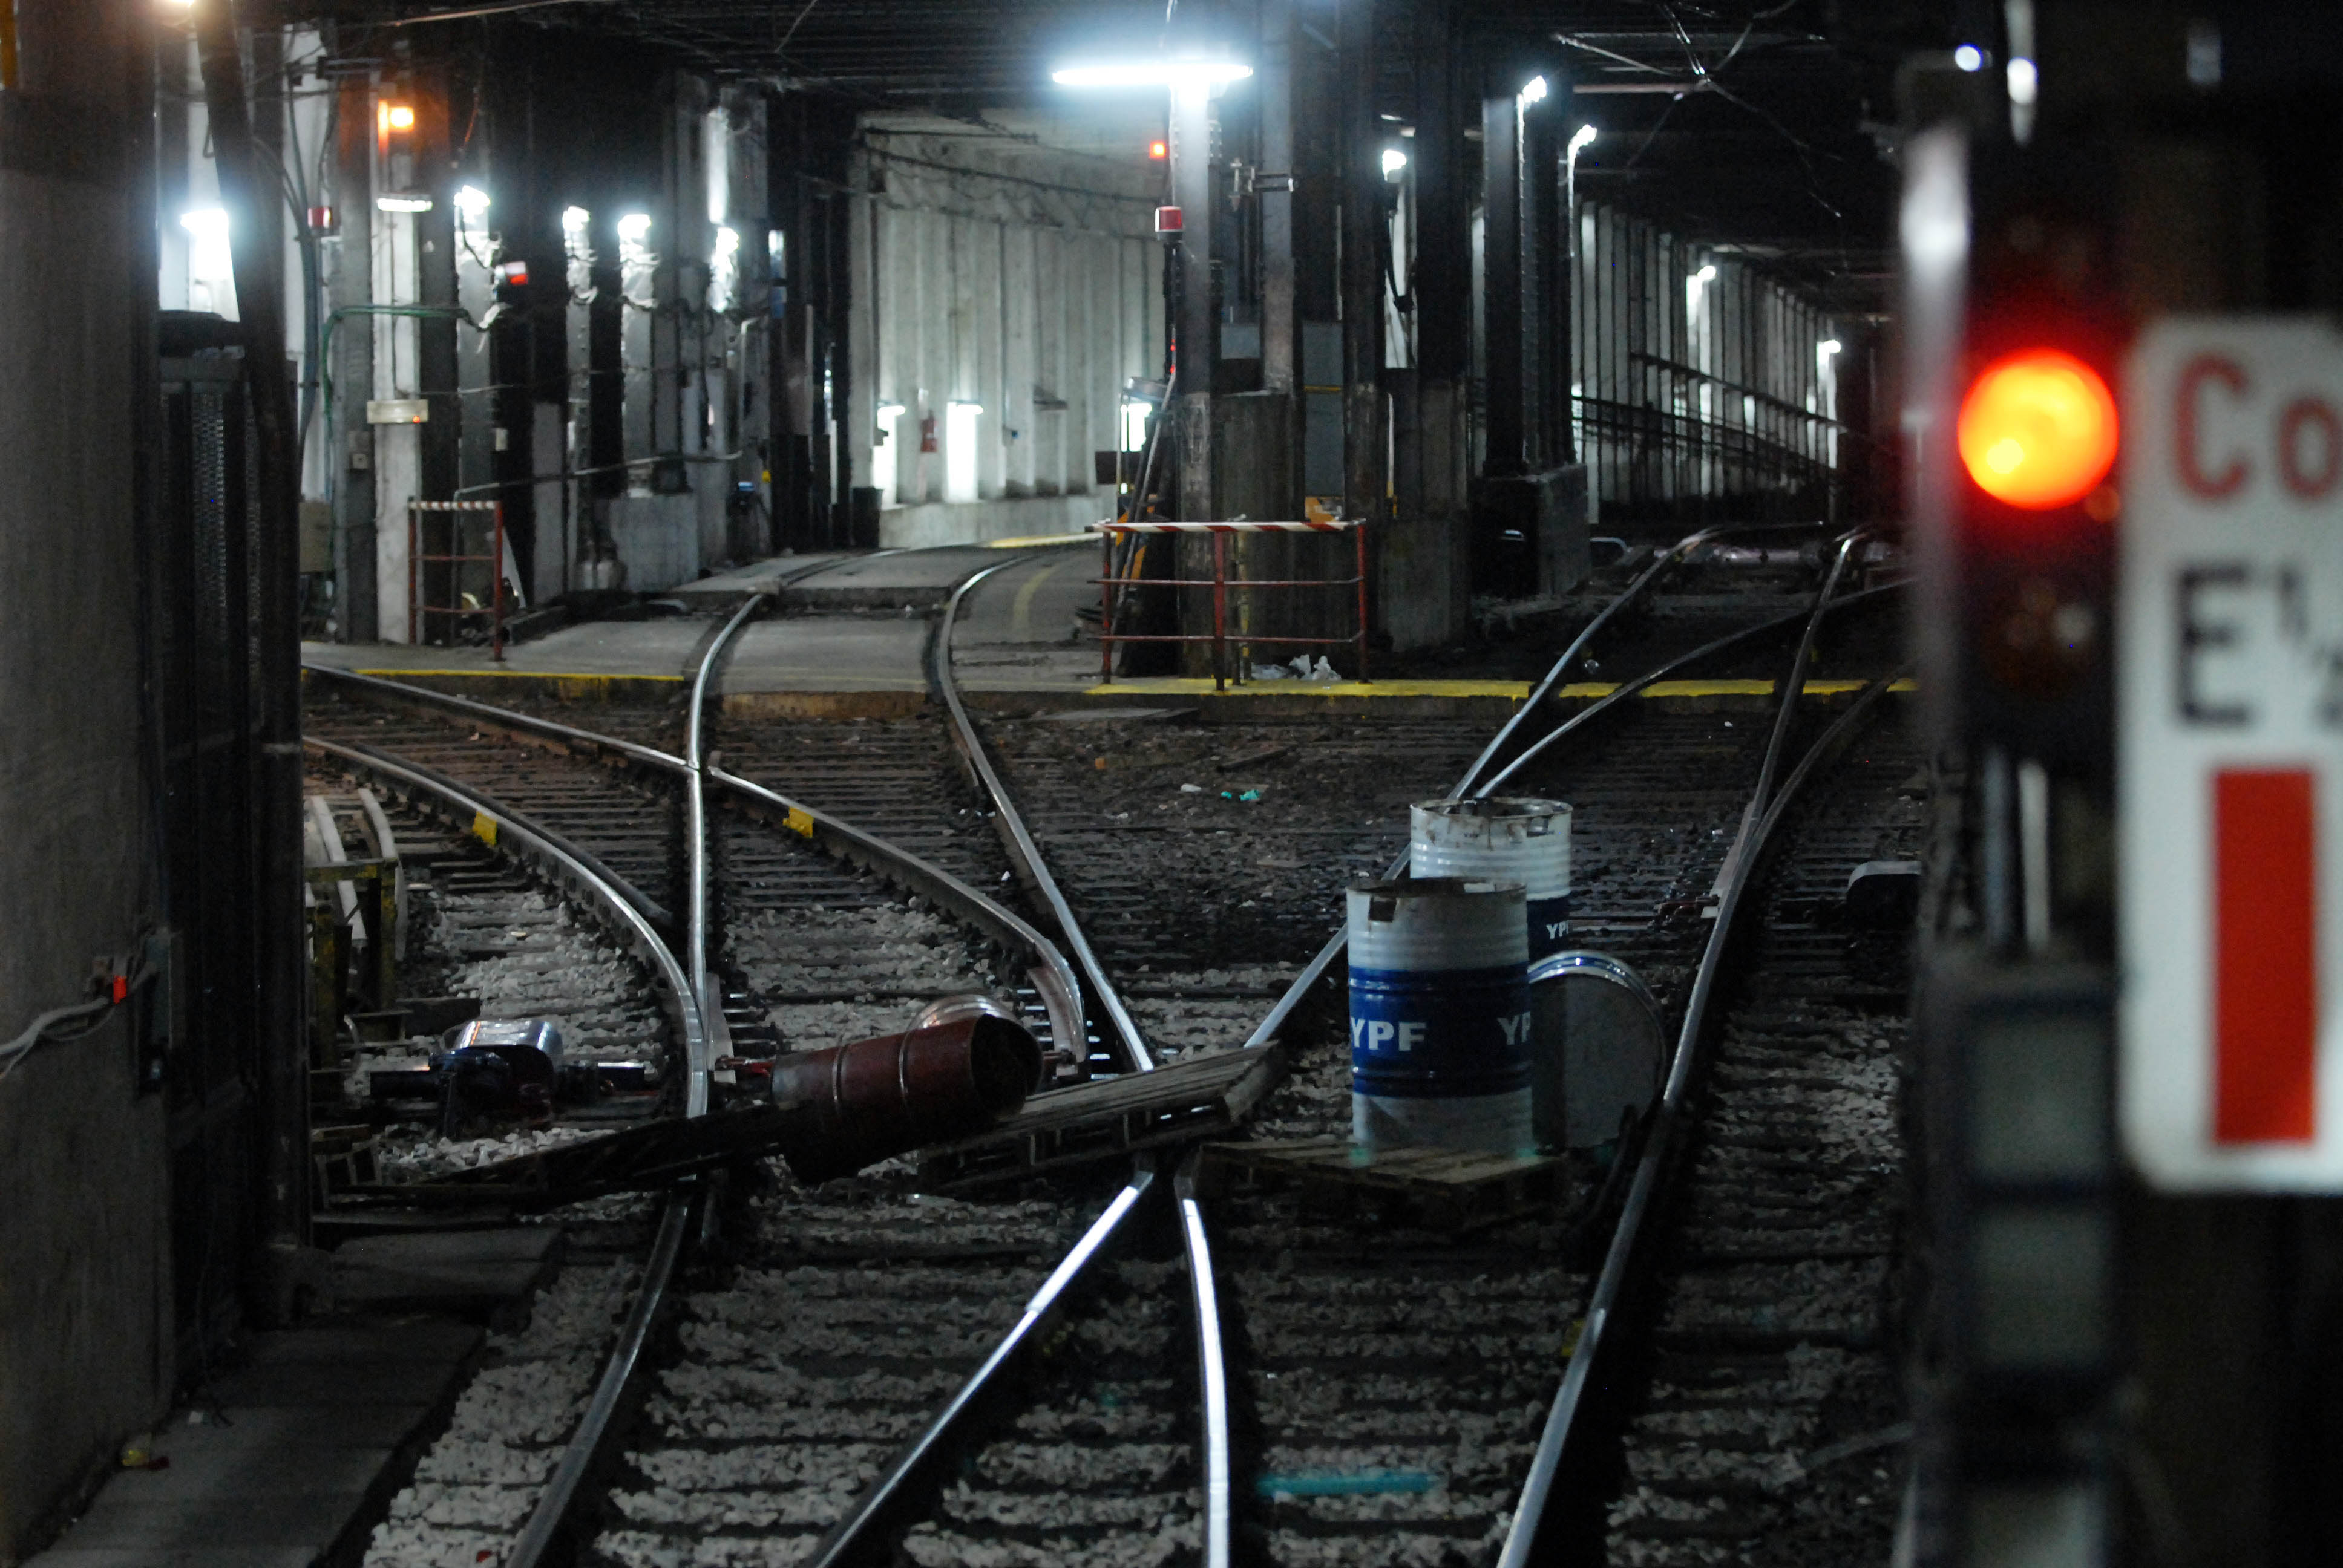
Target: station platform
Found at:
x=850, y=634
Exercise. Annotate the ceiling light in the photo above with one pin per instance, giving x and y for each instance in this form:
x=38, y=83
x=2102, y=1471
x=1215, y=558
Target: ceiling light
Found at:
x=1583, y=136
x=1393, y=161
x=1151, y=73
x=1969, y=57
x=403, y=202
x=1532, y=91
x=1706, y=274
x=1828, y=345
x=472, y=201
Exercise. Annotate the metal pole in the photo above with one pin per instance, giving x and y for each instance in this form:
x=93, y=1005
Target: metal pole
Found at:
x=497, y=573
x=1358, y=533
x=1106, y=604
x=1220, y=607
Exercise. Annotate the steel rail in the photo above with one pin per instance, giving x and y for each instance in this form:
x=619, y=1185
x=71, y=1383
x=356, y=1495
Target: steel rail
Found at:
x=1212, y=1370
x=1316, y=969
x=888, y=1505
x=502, y=718
x=862, y=1534
x=1133, y=1046
x=1569, y=654
x=694, y=808
x=538, y=844
x=1667, y=1121
x=1629, y=688
x=1053, y=976
x=1050, y=974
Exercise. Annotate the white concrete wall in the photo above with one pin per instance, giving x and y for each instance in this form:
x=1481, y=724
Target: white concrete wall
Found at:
x=979, y=522
x=1023, y=279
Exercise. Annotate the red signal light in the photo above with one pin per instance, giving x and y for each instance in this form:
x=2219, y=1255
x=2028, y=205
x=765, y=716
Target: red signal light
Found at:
x=2039, y=429
x=1159, y=149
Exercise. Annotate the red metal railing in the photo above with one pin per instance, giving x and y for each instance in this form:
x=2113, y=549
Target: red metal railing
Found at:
x=453, y=560
x=1220, y=583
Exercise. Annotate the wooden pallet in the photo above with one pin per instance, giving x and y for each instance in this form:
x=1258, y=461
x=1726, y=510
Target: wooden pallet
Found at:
x=1444, y=1189
x=1111, y=1117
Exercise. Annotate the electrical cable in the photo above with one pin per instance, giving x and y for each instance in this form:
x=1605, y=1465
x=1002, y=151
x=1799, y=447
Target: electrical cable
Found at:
x=42, y=1031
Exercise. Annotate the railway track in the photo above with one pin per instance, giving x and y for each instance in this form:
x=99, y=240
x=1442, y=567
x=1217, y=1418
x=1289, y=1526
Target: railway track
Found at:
x=1391, y=1391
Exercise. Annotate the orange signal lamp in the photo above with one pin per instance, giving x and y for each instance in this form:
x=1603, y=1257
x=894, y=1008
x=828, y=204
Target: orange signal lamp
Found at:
x=398, y=116
x=1159, y=150
x=2039, y=429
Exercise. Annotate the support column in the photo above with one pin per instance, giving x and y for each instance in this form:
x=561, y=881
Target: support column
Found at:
x=85, y=1351
x=357, y=608
x=1365, y=435
x=1501, y=265
x=1427, y=580
x=1196, y=323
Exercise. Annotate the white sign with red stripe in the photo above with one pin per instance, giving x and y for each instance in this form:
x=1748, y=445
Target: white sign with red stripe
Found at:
x=2230, y=754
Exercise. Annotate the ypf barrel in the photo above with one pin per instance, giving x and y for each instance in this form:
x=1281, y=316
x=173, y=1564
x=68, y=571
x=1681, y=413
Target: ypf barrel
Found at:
x=1440, y=1014
x=1514, y=839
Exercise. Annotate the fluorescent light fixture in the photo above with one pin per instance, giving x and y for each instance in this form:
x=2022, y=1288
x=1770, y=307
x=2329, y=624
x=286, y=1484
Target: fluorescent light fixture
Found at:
x=1582, y=138
x=1532, y=91
x=2023, y=81
x=1706, y=274
x=472, y=201
x=397, y=202
x=890, y=412
x=959, y=450
x=1393, y=161
x=1827, y=346
x=207, y=250
x=1969, y=57
x=1151, y=73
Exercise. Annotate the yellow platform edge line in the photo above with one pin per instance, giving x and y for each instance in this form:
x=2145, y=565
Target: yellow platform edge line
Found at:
x=1034, y=541
x=1517, y=690
x=395, y=674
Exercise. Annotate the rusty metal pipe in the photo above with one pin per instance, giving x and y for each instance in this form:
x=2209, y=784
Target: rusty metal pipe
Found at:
x=854, y=1105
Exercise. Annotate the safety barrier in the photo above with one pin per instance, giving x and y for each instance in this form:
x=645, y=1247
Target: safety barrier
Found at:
x=450, y=561
x=1220, y=583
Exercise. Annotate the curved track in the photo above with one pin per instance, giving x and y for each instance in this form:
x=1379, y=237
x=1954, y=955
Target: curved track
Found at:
x=1390, y=1392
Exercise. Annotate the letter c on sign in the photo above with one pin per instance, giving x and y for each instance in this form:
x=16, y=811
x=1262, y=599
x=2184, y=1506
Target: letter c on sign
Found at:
x=2203, y=368
x=2303, y=415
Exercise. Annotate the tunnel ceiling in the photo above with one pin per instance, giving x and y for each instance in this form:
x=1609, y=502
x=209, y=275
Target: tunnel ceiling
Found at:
x=1766, y=127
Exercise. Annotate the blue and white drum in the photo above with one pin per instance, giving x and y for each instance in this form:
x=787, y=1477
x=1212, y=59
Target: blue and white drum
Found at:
x=1440, y=1015
x=1514, y=839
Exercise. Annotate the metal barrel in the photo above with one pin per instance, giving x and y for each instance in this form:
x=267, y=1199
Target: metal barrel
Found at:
x=1602, y=1044
x=853, y=1105
x=1440, y=1015
x=1513, y=838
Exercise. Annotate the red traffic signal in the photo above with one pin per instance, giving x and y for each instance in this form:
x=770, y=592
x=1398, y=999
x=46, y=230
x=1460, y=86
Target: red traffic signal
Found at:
x=2039, y=429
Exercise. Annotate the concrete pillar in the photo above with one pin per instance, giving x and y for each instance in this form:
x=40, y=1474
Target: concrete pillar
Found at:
x=350, y=363
x=85, y=1346
x=1196, y=320
x=1366, y=431
x=1427, y=578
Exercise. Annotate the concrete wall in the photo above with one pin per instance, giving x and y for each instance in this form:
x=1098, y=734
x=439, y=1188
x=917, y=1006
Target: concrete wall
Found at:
x=977, y=522
x=85, y=1342
x=1026, y=282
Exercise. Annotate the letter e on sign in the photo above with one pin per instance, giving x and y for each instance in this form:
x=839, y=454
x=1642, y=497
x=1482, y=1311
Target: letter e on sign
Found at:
x=2230, y=755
